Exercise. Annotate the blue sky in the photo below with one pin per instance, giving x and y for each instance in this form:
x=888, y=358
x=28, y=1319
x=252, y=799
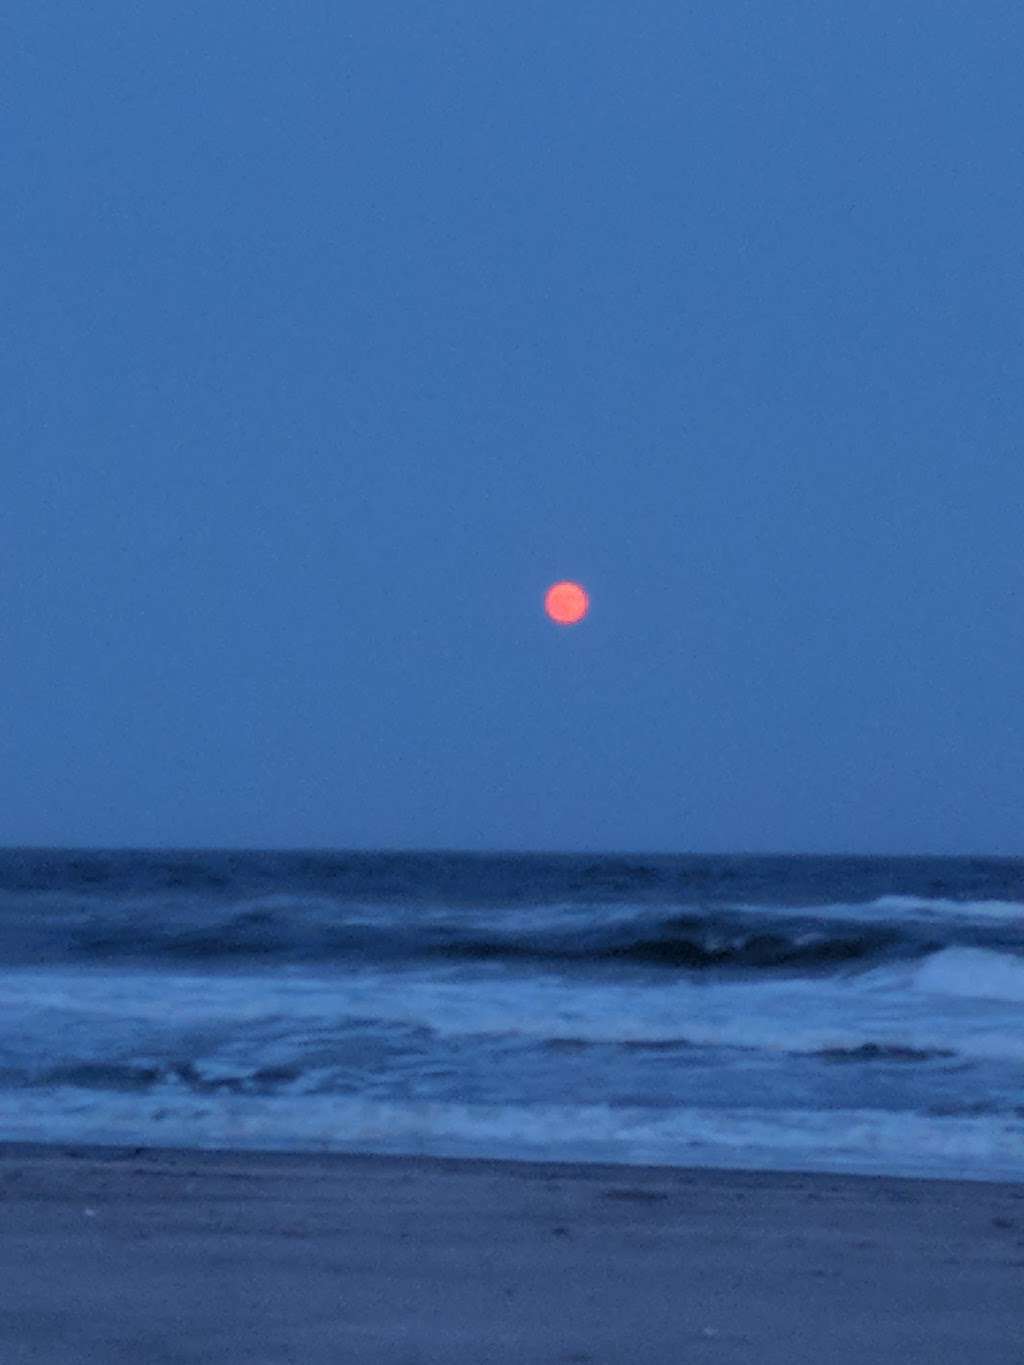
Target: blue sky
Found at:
x=332, y=334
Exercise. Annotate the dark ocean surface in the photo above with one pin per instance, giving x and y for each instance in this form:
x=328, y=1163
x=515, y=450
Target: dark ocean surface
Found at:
x=848, y=1014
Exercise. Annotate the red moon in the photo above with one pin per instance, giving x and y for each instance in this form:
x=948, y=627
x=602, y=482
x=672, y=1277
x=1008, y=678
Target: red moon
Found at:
x=566, y=603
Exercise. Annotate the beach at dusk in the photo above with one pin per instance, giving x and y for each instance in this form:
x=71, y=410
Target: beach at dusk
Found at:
x=177, y=1257
x=416, y=1108
x=511, y=671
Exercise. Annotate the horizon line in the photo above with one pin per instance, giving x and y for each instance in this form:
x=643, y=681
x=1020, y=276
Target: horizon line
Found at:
x=454, y=851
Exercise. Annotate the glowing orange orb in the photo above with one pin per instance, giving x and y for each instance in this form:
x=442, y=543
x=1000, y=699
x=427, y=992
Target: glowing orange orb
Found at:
x=566, y=603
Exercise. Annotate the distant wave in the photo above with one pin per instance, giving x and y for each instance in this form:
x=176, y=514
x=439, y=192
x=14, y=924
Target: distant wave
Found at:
x=699, y=945
x=295, y=929
x=882, y=1052
x=695, y=947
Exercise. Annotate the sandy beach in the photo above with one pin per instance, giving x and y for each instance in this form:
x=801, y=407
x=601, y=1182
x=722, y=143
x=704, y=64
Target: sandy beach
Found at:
x=160, y=1257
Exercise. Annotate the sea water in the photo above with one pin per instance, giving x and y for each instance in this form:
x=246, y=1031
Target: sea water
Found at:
x=841, y=1014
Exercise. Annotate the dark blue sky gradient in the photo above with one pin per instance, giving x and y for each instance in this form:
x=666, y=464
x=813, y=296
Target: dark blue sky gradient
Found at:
x=333, y=333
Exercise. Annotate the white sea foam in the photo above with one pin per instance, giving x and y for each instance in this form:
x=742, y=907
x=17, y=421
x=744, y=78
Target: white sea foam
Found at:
x=792, y=1139
x=229, y=1026
x=886, y=1007
x=961, y=1000
x=924, y=905
x=973, y=974
x=913, y=908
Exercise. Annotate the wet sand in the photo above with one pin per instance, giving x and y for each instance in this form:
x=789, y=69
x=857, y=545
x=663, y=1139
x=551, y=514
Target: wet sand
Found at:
x=152, y=1257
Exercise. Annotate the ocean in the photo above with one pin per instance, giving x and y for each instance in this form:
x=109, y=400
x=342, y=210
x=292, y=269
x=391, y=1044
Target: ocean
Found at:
x=837, y=1014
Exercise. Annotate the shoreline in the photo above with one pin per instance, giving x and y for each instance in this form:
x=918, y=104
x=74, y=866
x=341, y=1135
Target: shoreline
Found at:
x=47, y=1150
x=179, y=1256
